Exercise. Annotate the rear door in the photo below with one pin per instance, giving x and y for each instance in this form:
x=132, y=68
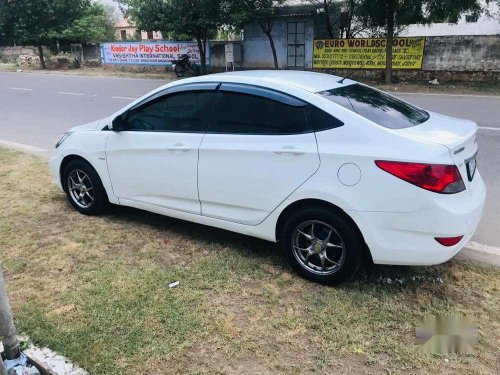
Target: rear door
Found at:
x=260, y=150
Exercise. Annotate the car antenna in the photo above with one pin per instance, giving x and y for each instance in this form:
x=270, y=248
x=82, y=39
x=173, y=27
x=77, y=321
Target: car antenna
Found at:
x=353, y=70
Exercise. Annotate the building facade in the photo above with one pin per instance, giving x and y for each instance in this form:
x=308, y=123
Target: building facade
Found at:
x=293, y=35
x=126, y=30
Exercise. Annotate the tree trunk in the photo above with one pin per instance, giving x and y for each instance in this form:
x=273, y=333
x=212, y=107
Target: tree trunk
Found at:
x=202, y=48
x=327, y=19
x=267, y=29
x=40, y=54
x=390, y=40
x=273, y=48
x=7, y=329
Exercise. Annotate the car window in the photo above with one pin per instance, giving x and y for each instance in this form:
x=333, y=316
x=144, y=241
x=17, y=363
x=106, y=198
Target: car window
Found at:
x=322, y=120
x=383, y=109
x=181, y=112
x=249, y=114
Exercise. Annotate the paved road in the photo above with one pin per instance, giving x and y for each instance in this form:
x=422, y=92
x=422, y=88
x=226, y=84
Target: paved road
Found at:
x=35, y=108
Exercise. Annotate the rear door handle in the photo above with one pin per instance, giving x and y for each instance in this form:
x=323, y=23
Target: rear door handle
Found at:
x=289, y=150
x=179, y=147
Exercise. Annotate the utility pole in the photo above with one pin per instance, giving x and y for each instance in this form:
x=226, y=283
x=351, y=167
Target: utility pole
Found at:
x=7, y=329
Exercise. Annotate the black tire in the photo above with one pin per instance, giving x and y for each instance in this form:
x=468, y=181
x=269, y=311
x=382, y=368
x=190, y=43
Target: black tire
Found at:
x=96, y=197
x=179, y=71
x=344, y=235
x=196, y=70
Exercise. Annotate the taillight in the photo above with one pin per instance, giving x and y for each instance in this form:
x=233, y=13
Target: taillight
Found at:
x=440, y=178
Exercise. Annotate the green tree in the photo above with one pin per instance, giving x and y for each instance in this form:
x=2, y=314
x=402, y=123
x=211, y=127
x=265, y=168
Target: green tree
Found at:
x=198, y=19
x=95, y=25
x=330, y=13
x=390, y=15
x=262, y=12
x=39, y=21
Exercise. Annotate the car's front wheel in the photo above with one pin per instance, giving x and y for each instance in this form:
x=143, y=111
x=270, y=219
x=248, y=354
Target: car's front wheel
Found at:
x=322, y=245
x=84, y=187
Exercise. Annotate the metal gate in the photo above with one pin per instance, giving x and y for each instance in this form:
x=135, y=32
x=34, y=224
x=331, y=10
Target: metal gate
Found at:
x=296, y=44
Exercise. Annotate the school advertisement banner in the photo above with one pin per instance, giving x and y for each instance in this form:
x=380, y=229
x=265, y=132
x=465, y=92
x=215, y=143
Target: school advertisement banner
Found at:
x=368, y=53
x=149, y=53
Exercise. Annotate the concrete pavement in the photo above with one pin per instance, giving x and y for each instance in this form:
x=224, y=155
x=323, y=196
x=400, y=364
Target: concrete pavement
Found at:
x=35, y=108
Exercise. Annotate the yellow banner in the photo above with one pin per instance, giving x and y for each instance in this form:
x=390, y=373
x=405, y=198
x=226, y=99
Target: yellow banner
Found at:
x=368, y=53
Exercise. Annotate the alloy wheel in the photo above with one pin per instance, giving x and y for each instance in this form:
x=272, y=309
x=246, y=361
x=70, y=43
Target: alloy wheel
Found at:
x=318, y=247
x=80, y=188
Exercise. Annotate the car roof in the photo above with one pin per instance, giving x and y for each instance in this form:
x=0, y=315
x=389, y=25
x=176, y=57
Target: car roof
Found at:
x=309, y=81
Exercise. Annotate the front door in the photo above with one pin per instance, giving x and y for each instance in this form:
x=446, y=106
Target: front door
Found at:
x=260, y=151
x=296, y=44
x=154, y=160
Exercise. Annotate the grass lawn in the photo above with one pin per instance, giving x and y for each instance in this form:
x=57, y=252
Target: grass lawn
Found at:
x=96, y=290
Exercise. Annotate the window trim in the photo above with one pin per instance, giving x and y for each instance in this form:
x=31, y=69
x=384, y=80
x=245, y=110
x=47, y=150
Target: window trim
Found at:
x=269, y=95
x=202, y=86
x=264, y=92
x=167, y=93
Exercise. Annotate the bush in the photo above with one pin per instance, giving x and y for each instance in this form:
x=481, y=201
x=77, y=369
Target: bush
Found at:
x=28, y=59
x=62, y=60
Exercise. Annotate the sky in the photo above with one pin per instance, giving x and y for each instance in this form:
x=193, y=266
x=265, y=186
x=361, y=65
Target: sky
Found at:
x=110, y=2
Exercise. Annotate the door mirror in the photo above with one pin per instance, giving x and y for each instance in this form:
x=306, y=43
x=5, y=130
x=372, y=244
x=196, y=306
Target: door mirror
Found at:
x=119, y=122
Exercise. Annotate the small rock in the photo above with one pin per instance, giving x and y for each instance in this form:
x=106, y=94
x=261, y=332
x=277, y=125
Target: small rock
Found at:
x=174, y=284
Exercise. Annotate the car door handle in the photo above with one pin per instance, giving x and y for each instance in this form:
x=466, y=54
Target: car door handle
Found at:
x=289, y=150
x=179, y=147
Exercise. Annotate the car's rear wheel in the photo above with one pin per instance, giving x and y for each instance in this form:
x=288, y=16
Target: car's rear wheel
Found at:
x=84, y=187
x=322, y=246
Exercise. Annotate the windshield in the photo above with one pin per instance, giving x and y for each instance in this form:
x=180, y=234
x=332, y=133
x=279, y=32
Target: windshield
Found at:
x=383, y=109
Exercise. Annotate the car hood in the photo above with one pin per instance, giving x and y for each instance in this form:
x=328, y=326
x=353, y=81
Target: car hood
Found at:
x=94, y=125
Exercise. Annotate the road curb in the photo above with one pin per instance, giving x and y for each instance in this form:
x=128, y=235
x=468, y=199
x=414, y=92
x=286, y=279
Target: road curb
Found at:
x=479, y=257
x=25, y=148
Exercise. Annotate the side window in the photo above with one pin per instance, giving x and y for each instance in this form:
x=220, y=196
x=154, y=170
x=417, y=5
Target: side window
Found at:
x=323, y=121
x=182, y=112
x=249, y=114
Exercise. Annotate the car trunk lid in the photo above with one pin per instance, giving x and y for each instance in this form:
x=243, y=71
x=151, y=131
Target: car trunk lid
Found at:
x=458, y=135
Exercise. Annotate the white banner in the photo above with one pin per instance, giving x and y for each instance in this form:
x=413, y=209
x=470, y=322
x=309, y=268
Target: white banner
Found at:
x=149, y=53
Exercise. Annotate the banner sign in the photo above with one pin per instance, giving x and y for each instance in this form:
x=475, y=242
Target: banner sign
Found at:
x=149, y=53
x=368, y=53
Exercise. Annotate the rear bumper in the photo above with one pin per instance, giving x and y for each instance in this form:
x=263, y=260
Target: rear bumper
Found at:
x=408, y=238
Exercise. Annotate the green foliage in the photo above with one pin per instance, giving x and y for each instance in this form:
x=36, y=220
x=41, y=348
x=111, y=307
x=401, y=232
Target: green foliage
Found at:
x=376, y=13
x=149, y=15
x=263, y=12
x=95, y=25
x=391, y=15
x=38, y=21
x=44, y=21
x=197, y=19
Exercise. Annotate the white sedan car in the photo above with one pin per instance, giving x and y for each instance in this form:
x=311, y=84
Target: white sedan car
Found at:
x=332, y=169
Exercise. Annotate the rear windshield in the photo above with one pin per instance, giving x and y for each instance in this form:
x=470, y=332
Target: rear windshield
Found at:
x=382, y=109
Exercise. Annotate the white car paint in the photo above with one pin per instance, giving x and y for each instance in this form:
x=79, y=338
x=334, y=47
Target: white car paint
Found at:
x=243, y=183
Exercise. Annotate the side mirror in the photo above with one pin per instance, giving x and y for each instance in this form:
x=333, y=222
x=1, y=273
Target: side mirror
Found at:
x=119, y=122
